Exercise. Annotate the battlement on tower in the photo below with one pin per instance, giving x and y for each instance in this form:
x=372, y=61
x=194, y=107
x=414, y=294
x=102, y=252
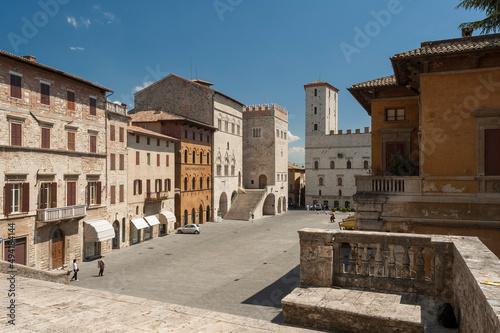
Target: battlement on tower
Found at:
x=349, y=131
x=262, y=110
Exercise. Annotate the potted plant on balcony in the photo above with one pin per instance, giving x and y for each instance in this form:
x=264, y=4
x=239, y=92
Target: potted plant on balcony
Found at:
x=400, y=165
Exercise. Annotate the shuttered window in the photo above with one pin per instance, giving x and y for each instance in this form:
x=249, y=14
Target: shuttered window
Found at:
x=122, y=193
x=168, y=160
x=16, y=134
x=122, y=134
x=122, y=162
x=71, y=193
x=71, y=141
x=137, y=158
x=112, y=132
x=492, y=152
x=45, y=137
x=15, y=86
x=93, y=106
x=71, y=100
x=93, y=144
x=112, y=194
x=44, y=93
x=112, y=161
x=17, y=198
x=157, y=159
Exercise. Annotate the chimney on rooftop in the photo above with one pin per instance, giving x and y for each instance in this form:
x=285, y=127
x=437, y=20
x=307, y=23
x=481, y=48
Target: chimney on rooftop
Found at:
x=30, y=58
x=467, y=32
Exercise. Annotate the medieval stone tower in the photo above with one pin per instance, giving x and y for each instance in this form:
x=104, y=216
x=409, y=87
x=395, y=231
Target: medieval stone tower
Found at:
x=321, y=109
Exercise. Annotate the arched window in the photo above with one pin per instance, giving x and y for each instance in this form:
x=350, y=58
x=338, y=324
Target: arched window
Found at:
x=194, y=136
x=365, y=164
x=321, y=181
x=194, y=183
x=347, y=204
x=185, y=134
x=201, y=183
x=315, y=110
x=137, y=210
x=319, y=192
x=315, y=127
x=348, y=164
x=339, y=181
x=336, y=204
x=281, y=153
x=332, y=164
x=185, y=156
x=208, y=182
x=194, y=156
x=185, y=184
x=315, y=92
x=208, y=158
x=340, y=193
x=316, y=165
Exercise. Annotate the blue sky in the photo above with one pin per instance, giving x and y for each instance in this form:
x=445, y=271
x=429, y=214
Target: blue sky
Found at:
x=256, y=51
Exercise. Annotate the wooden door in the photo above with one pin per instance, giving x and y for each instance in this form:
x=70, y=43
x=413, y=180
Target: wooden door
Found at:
x=19, y=251
x=57, y=252
x=391, y=149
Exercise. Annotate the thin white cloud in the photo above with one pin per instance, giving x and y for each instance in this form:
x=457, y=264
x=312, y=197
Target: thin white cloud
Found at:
x=85, y=21
x=71, y=20
x=96, y=6
x=109, y=16
x=147, y=83
x=292, y=138
x=76, y=48
x=296, y=155
x=296, y=150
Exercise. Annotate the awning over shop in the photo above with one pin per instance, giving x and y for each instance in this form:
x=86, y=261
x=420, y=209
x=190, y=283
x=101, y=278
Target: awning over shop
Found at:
x=140, y=223
x=98, y=231
x=152, y=220
x=169, y=217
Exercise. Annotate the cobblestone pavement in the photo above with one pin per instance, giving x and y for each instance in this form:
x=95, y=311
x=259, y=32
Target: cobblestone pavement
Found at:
x=51, y=307
x=237, y=267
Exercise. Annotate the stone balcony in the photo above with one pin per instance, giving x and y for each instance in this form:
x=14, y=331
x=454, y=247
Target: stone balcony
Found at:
x=55, y=214
x=152, y=197
x=116, y=108
x=355, y=281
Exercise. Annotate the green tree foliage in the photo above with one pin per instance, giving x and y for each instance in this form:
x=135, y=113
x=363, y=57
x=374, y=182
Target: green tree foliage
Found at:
x=492, y=21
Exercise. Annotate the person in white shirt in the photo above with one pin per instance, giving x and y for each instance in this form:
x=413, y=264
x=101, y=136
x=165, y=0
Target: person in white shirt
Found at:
x=75, y=271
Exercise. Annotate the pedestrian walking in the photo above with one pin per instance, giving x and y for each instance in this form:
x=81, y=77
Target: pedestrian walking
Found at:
x=101, y=264
x=75, y=271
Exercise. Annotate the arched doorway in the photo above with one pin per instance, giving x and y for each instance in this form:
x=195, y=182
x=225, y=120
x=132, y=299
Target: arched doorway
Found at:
x=57, y=248
x=208, y=215
x=233, y=196
x=239, y=178
x=223, y=204
x=200, y=213
x=193, y=216
x=284, y=204
x=279, y=205
x=262, y=181
x=268, y=208
x=116, y=239
x=185, y=217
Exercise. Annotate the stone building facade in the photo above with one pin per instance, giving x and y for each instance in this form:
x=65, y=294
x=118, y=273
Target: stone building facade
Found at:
x=435, y=142
x=151, y=183
x=117, y=166
x=266, y=154
x=193, y=163
x=296, y=185
x=53, y=158
x=332, y=158
x=196, y=100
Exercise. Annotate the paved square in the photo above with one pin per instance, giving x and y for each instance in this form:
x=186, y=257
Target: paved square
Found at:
x=236, y=267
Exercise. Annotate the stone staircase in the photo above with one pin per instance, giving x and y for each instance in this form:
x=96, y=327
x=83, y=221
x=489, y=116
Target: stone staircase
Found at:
x=357, y=310
x=244, y=204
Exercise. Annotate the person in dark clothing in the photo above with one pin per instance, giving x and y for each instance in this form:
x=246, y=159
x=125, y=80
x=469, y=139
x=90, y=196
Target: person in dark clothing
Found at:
x=101, y=264
x=75, y=271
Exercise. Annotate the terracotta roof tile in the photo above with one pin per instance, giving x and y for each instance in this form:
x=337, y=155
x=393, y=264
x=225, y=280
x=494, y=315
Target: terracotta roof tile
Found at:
x=137, y=129
x=382, y=82
x=453, y=46
x=51, y=69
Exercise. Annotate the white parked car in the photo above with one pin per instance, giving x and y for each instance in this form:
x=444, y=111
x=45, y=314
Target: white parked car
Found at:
x=189, y=229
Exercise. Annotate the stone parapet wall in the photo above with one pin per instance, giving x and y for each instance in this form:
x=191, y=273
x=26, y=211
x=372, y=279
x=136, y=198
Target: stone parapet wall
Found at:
x=60, y=276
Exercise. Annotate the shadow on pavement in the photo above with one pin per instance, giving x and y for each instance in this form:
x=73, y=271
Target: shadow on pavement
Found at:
x=272, y=295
